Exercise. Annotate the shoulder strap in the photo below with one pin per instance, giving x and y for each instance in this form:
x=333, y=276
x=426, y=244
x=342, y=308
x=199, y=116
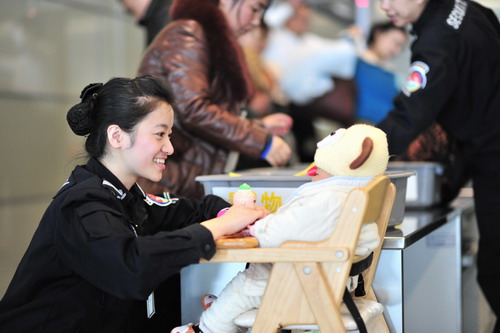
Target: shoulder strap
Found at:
x=351, y=306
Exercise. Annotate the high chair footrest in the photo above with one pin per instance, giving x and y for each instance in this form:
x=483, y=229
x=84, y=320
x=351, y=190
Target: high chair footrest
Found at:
x=368, y=310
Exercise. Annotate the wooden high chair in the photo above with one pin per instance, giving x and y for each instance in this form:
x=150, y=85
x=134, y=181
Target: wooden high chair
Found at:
x=308, y=279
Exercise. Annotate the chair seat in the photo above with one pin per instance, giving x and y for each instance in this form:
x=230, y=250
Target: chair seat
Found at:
x=368, y=310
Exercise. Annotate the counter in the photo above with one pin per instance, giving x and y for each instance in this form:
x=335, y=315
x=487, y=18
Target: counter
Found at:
x=418, y=223
x=419, y=276
x=418, y=279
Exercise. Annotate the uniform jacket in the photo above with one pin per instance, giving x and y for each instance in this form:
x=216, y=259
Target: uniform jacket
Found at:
x=198, y=56
x=452, y=79
x=98, y=253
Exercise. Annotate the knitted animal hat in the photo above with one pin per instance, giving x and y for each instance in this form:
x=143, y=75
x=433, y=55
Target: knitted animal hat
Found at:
x=359, y=151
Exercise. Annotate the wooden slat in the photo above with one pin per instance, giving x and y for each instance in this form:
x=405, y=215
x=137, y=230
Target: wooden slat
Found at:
x=265, y=255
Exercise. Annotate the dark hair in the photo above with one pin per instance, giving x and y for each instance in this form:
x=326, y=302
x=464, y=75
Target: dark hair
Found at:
x=382, y=27
x=121, y=101
x=217, y=2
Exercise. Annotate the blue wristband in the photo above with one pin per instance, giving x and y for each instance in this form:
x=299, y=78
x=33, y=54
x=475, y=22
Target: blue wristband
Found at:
x=268, y=148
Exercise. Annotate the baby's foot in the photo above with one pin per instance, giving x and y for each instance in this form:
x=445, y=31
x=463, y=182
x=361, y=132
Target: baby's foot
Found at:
x=207, y=300
x=189, y=328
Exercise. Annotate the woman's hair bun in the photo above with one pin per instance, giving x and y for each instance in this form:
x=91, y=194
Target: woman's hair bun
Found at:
x=90, y=91
x=78, y=118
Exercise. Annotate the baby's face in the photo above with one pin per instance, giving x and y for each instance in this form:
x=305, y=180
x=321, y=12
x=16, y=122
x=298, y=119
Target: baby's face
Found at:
x=320, y=175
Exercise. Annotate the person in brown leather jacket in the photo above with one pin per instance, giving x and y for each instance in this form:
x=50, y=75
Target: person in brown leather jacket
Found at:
x=198, y=55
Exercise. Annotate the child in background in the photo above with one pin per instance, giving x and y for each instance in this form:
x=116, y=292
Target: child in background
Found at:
x=375, y=76
x=346, y=159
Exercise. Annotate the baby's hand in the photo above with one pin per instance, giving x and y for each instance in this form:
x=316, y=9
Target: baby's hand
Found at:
x=263, y=209
x=246, y=232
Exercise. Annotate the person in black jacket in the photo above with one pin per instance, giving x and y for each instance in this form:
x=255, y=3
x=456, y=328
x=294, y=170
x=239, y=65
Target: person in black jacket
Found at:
x=151, y=14
x=454, y=80
x=103, y=245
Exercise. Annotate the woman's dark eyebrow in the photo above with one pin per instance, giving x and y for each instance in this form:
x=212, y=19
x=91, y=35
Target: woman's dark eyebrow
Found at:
x=165, y=126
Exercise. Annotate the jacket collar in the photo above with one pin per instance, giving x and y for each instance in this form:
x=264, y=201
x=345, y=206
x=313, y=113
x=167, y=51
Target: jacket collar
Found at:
x=132, y=201
x=430, y=12
x=225, y=53
x=112, y=182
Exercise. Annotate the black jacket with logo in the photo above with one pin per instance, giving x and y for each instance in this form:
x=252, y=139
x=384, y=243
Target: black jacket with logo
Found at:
x=99, y=252
x=456, y=58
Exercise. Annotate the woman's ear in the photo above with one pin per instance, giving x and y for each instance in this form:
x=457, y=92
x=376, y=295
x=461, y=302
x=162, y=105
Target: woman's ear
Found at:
x=116, y=136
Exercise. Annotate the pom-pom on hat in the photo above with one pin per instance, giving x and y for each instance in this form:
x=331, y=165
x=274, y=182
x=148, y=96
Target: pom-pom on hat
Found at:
x=358, y=151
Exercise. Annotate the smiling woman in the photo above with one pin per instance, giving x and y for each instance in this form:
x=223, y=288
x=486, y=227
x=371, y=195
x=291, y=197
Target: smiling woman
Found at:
x=103, y=246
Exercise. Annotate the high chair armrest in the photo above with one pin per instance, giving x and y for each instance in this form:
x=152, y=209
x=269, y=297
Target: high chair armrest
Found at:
x=237, y=242
x=266, y=255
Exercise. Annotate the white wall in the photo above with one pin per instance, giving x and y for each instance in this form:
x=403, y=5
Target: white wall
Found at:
x=49, y=50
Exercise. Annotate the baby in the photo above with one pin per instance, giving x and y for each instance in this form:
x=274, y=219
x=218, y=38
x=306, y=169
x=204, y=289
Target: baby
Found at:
x=344, y=160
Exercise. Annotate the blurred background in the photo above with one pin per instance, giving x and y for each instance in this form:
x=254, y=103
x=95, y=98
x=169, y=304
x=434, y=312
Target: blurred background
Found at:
x=51, y=49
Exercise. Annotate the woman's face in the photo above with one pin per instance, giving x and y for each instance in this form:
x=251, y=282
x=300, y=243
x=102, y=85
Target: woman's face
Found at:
x=243, y=15
x=148, y=146
x=403, y=12
x=388, y=44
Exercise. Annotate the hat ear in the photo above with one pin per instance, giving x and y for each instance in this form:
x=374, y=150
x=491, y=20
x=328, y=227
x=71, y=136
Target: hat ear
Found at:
x=366, y=150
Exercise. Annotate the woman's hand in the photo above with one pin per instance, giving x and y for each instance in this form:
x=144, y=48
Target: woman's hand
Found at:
x=278, y=123
x=235, y=219
x=280, y=152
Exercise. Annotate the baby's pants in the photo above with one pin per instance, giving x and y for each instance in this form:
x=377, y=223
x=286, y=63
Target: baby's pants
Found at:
x=219, y=317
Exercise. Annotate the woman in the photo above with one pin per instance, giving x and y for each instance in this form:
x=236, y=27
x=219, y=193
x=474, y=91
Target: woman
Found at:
x=199, y=56
x=103, y=245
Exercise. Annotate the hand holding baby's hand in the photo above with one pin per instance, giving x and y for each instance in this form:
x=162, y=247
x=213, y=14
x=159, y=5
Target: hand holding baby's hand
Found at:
x=238, y=217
